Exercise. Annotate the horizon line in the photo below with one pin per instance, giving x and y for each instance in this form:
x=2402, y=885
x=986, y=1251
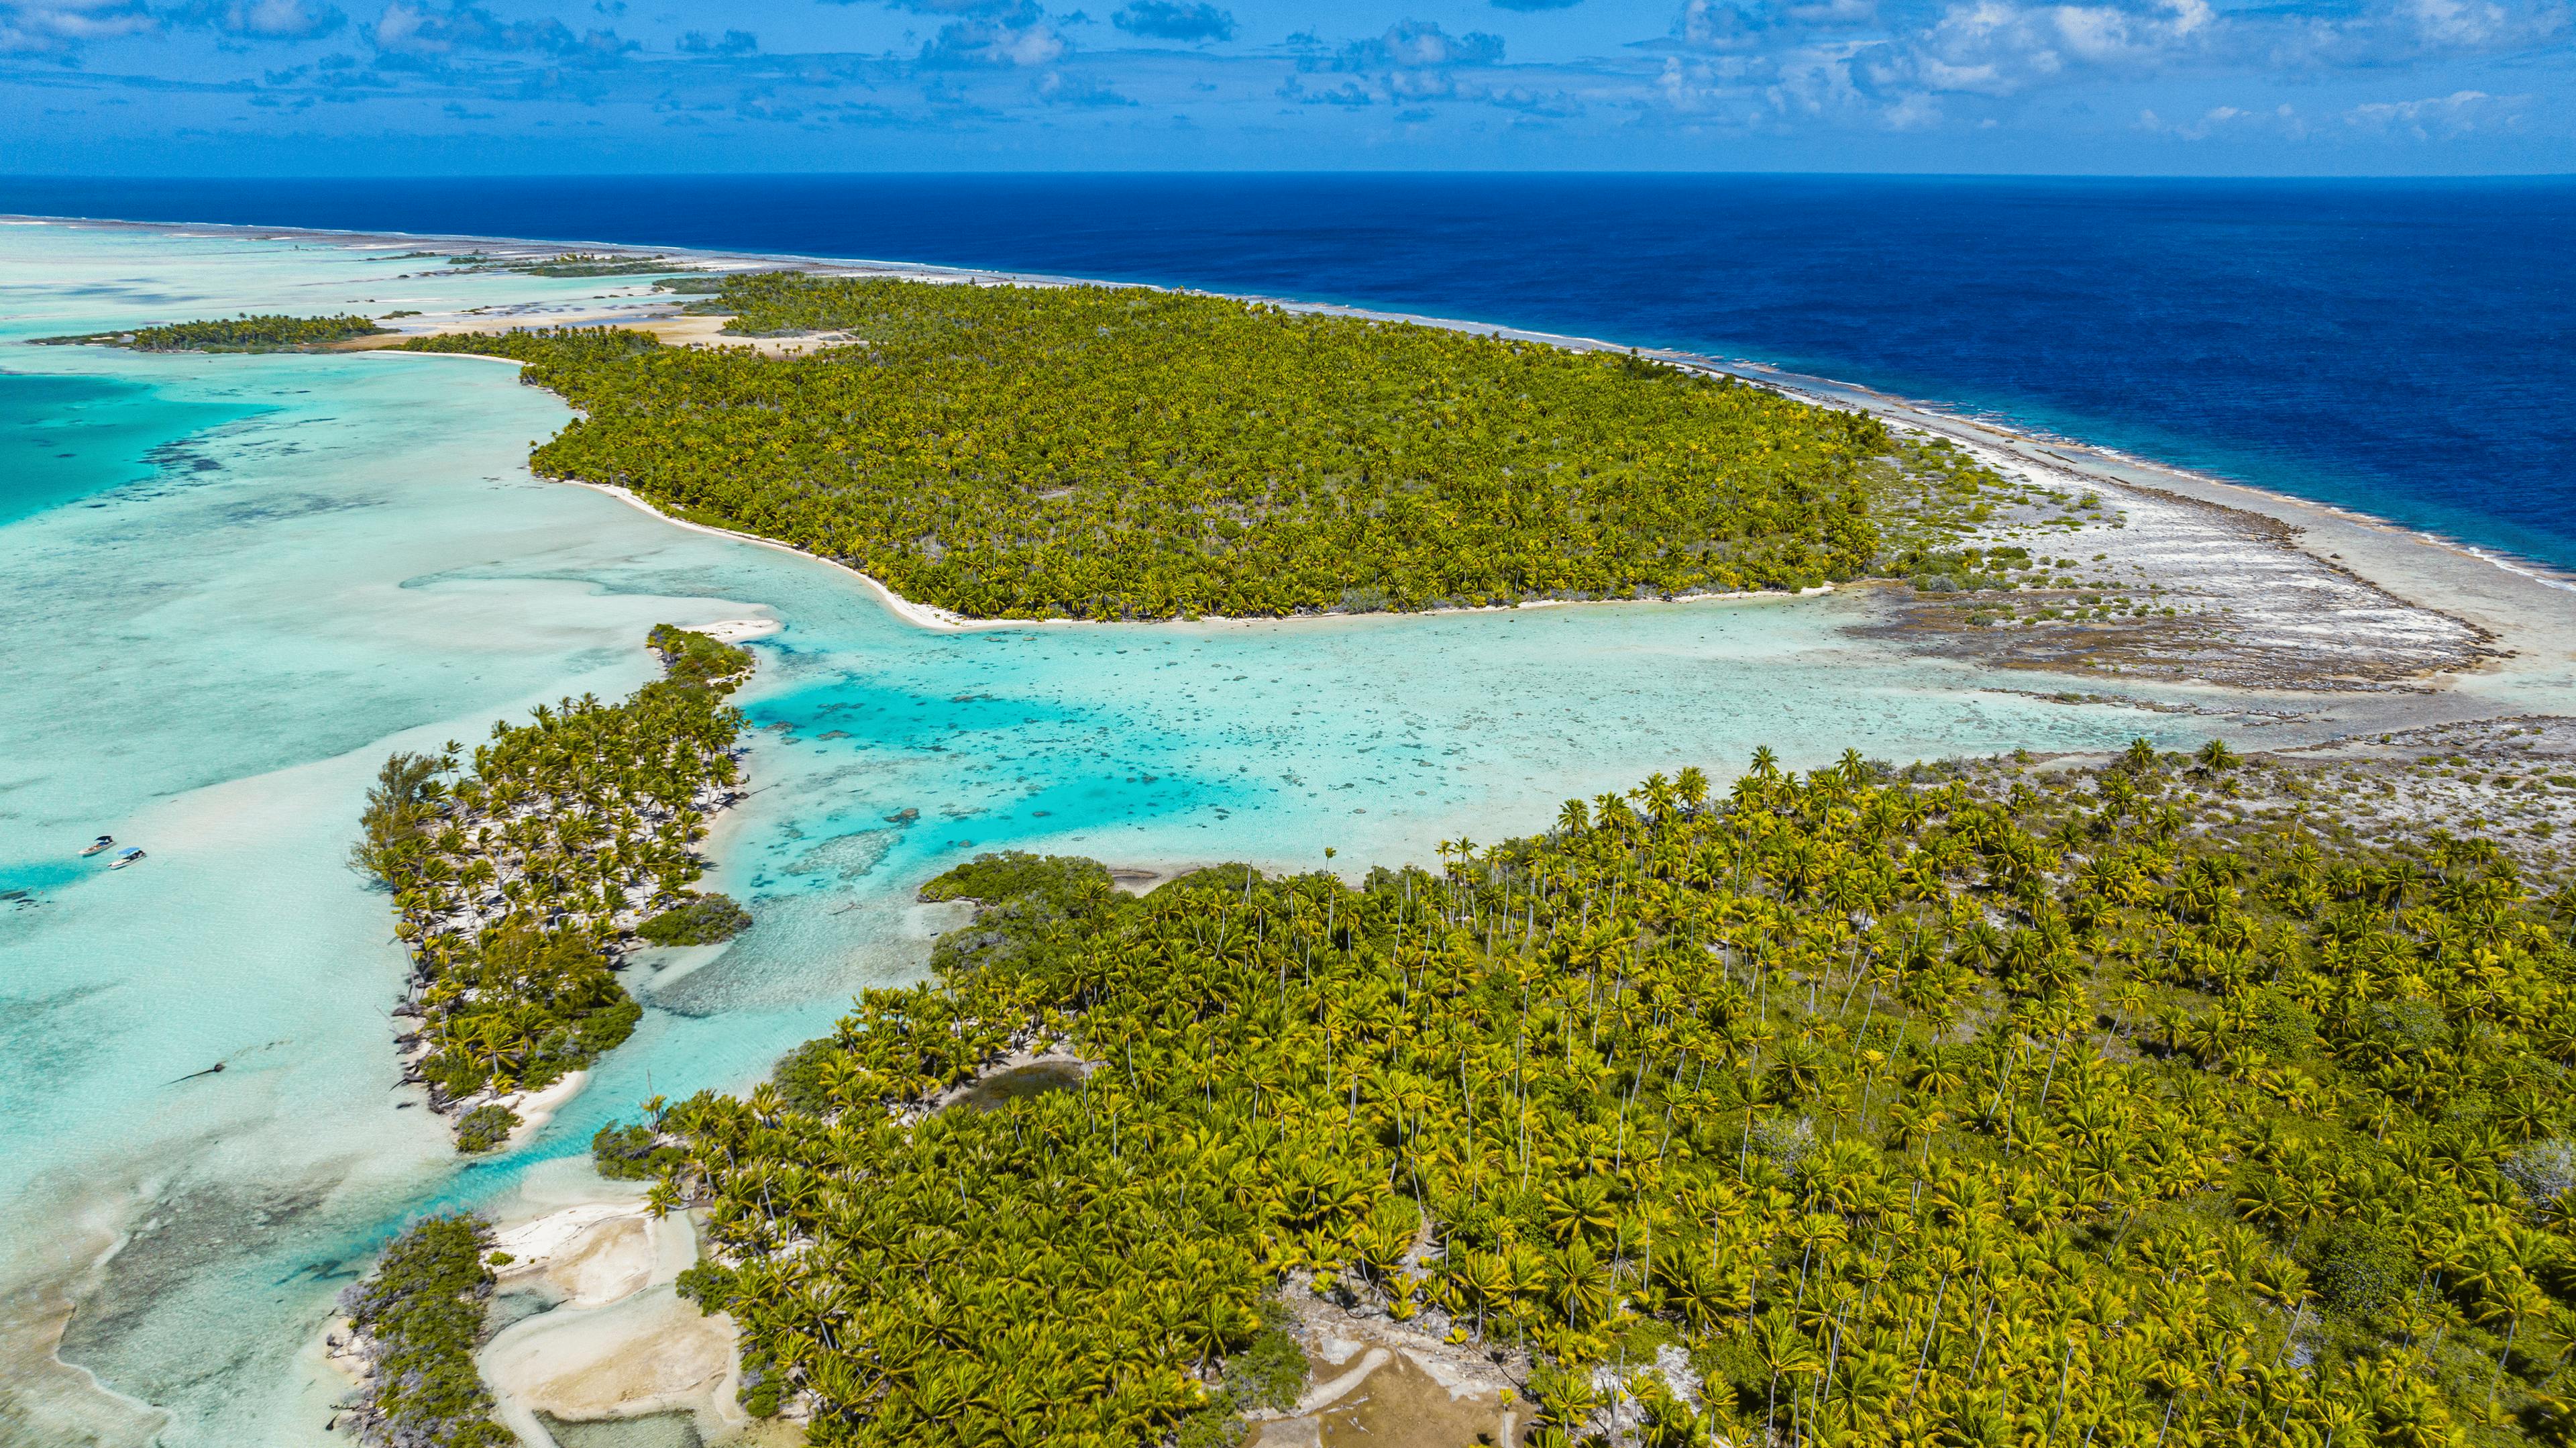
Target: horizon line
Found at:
x=983, y=174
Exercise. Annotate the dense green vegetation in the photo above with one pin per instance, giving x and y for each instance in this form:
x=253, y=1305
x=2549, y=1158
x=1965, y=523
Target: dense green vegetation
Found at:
x=247, y=333
x=571, y=264
x=514, y=878
x=702, y=920
x=693, y=660
x=578, y=349
x=629, y=1152
x=1944, y=1106
x=1123, y=453
x=421, y=1314
x=485, y=1127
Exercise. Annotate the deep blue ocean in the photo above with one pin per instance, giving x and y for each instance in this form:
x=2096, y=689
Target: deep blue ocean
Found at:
x=2403, y=347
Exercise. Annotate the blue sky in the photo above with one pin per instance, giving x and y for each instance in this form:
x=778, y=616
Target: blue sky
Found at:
x=2095, y=86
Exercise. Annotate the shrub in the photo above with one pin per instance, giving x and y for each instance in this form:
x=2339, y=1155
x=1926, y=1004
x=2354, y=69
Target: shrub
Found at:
x=422, y=1313
x=485, y=1127
x=694, y=659
x=630, y=1153
x=2286, y=1030
x=2362, y=1269
x=708, y=1284
x=1785, y=1142
x=1215, y=1426
x=605, y=1028
x=1271, y=1373
x=799, y=1076
x=704, y=920
x=2544, y=1170
x=1017, y=895
x=1013, y=874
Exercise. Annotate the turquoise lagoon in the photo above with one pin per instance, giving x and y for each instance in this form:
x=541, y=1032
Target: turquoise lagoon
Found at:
x=255, y=576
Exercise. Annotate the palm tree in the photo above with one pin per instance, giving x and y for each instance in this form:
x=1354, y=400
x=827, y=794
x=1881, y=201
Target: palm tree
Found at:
x=1691, y=787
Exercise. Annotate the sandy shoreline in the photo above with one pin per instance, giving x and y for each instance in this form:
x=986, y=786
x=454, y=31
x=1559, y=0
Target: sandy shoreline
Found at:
x=920, y=615
x=594, y=1329
x=614, y=1339
x=940, y=620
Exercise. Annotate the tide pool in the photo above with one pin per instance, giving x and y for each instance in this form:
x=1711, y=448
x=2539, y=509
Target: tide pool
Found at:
x=210, y=657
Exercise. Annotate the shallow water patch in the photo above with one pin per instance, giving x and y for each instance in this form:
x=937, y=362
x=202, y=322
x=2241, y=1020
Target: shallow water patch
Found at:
x=651, y=1430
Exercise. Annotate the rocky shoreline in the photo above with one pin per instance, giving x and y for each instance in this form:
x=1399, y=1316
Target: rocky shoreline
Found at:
x=2148, y=583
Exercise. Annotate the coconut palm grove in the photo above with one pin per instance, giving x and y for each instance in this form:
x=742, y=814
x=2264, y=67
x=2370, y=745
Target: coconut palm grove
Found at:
x=1945, y=1105
x=1124, y=453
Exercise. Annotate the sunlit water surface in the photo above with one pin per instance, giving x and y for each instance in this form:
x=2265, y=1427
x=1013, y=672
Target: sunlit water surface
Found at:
x=230, y=585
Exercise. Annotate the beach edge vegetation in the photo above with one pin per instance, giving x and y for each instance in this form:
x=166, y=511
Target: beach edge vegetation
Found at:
x=268, y=332
x=418, y=1318
x=1121, y=453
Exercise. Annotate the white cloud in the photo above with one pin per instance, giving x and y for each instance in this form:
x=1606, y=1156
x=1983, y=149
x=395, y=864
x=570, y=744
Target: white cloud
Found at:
x=1813, y=59
x=2466, y=24
x=1731, y=25
x=60, y=25
x=1056, y=88
x=2223, y=121
x=2437, y=117
x=1021, y=38
x=1414, y=61
x=281, y=19
x=2396, y=32
x=1966, y=60
x=1420, y=44
x=263, y=19
x=2000, y=48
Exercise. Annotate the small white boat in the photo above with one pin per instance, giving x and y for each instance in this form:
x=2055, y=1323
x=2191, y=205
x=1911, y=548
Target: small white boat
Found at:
x=101, y=843
x=123, y=860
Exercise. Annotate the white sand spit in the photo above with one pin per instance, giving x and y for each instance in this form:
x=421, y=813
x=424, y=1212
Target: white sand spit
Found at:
x=651, y=1353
